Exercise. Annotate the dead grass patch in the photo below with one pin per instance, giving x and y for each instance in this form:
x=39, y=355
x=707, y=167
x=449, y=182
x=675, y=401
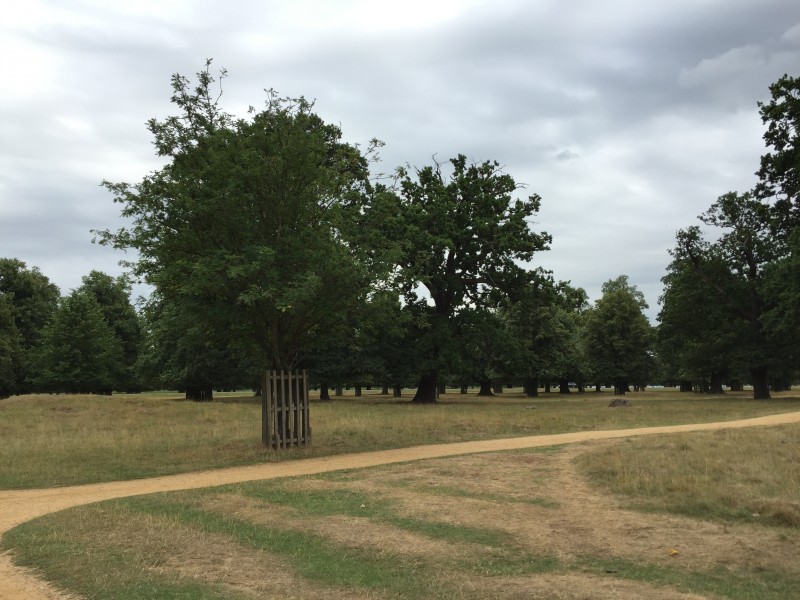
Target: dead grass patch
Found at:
x=569, y=587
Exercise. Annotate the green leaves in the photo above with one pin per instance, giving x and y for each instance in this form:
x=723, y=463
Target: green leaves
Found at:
x=242, y=225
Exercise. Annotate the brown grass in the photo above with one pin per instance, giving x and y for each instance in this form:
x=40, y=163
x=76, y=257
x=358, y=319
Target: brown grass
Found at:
x=60, y=440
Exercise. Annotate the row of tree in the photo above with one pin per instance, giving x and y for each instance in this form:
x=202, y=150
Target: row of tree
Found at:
x=269, y=243
x=94, y=341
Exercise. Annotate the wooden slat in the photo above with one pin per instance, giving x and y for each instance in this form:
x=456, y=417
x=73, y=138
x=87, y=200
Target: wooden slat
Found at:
x=285, y=418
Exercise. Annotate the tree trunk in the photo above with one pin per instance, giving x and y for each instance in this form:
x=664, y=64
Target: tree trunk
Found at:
x=497, y=388
x=736, y=385
x=442, y=387
x=324, y=392
x=686, y=385
x=200, y=393
x=339, y=391
x=486, y=388
x=597, y=388
x=397, y=390
x=620, y=387
x=464, y=389
x=760, y=385
x=385, y=389
x=563, y=386
x=532, y=388
x=357, y=391
x=427, y=389
x=716, y=383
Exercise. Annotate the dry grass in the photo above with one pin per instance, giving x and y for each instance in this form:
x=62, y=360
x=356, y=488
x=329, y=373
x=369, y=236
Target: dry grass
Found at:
x=736, y=475
x=58, y=440
x=457, y=528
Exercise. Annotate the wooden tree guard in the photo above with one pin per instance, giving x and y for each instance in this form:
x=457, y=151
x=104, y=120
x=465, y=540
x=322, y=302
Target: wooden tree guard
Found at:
x=284, y=409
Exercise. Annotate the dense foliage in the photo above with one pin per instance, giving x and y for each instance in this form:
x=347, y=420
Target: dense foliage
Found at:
x=269, y=244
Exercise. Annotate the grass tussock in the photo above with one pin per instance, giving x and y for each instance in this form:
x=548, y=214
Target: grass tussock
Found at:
x=735, y=475
x=66, y=439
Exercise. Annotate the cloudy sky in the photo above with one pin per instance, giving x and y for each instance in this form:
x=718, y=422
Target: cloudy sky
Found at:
x=629, y=118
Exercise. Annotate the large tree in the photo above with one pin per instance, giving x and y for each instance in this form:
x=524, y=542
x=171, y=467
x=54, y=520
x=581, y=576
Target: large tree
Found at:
x=242, y=224
x=456, y=232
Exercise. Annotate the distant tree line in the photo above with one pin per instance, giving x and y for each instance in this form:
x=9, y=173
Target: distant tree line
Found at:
x=269, y=244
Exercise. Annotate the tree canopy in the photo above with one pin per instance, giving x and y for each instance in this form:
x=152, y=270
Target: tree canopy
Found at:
x=241, y=225
x=459, y=235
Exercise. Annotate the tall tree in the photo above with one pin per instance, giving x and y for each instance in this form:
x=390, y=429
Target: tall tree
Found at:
x=242, y=223
x=33, y=300
x=10, y=349
x=458, y=235
x=113, y=297
x=78, y=351
x=733, y=270
x=619, y=337
x=695, y=336
x=544, y=319
x=779, y=175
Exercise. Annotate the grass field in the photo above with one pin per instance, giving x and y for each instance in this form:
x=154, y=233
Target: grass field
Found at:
x=61, y=440
x=550, y=523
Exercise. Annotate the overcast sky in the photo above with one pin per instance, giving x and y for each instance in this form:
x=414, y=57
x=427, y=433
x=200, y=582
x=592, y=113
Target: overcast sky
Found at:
x=629, y=118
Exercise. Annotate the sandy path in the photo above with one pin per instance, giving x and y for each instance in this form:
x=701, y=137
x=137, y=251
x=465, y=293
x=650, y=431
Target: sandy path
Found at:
x=18, y=506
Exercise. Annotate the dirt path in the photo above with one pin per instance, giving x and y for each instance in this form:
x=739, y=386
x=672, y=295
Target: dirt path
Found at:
x=19, y=506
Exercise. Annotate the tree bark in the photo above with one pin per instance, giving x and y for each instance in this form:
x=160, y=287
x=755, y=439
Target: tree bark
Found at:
x=357, y=391
x=760, y=383
x=716, y=383
x=736, y=385
x=563, y=386
x=497, y=388
x=427, y=389
x=397, y=390
x=686, y=386
x=324, y=392
x=486, y=388
x=385, y=389
x=620, y=387
x=546, y=388
x=532, y=388
x=442, y=387
x=464, y=389
x=339, y=390
x=200, y=393
x=597, y=388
